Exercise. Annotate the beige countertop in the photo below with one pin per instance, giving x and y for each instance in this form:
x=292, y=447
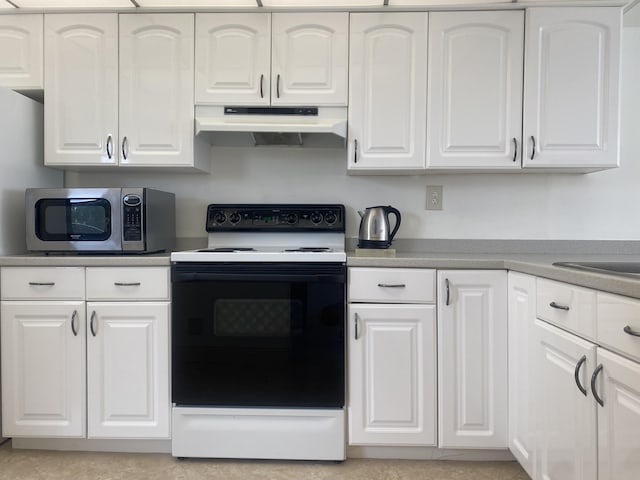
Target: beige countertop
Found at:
x=535, y=264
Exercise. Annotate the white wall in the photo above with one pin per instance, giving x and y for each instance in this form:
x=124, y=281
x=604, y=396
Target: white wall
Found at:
x=599, y=206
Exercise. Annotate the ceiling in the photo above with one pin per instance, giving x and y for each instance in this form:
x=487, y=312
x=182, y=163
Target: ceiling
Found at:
x=15, y=5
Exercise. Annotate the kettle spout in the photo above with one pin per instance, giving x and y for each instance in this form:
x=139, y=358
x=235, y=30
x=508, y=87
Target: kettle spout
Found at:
x=361, y=213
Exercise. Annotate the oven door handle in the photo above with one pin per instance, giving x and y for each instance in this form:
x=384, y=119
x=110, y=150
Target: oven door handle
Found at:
x=277, y=277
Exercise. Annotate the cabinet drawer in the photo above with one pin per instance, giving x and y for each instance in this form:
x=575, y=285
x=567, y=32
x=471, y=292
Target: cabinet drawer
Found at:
x=618, y=324
x=126, y=283
x=42, y=283
x=392, y=285
x=568, y=306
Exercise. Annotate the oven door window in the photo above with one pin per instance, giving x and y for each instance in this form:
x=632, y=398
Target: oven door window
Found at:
x=272, y=342
x=77, y=219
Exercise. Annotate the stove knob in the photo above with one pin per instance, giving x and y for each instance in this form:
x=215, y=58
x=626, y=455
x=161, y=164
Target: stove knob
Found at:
x=291, y=218
x=219, y=217
x=330, y=218
x=316, y=218
x=234, y=217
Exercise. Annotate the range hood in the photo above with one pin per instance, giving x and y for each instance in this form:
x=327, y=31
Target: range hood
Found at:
x=276, y=126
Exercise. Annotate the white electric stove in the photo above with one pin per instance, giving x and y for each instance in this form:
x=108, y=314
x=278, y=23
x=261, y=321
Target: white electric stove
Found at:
x=258, y=335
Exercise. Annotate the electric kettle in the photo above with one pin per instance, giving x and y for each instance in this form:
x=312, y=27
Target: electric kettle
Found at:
x=374, y=227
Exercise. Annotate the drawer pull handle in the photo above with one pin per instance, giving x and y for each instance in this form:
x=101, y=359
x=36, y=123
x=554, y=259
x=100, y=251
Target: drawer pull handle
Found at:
x=93, y=325
x=42, y=284
x=127, y=284
x=631, y=331
x=74, y=320
x=392, y=285
x=576, y=375
x=356, y=321
x=559, y=307
x=594, y=377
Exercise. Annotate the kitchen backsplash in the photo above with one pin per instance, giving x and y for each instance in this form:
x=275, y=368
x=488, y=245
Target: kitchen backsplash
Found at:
x=598, y=206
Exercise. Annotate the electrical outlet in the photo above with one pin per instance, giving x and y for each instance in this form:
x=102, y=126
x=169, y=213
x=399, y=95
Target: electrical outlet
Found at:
x=434, y=197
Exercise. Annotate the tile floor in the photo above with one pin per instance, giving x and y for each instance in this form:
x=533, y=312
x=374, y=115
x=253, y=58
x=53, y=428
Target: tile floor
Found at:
x=36, y=465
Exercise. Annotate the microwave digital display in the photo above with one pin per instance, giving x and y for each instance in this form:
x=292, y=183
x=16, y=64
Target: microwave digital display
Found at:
x=78, y=219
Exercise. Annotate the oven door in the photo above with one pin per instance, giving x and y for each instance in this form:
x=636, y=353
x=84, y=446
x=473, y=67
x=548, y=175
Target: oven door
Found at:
x=258, y=334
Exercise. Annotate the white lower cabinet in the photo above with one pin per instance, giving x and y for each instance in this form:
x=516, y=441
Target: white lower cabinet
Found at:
x=566, y=447
x=43, y=368
x=522, y=315
x=392, y=369
x=127, y=369
x=392, y=356
x=472, y=358
x=74, y=369
x=585, y=391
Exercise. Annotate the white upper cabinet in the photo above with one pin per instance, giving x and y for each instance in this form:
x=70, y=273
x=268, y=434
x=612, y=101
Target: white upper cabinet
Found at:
x=271, y=59
x=571, y=88
x=387, y=92
x=309, y=58
x=21, y=52
x=81, y=89
x=233, y=58
x=156, y=89
x=474, y=100
x=119, y=90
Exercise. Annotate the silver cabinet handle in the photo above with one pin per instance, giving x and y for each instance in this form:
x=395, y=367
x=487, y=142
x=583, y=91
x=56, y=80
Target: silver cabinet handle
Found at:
x=559, y=306
x=355, y=151
x=630, y=331
x=93, y=324
x=278, y=86
x=594, y=377
x=515, y=148
x=533, y=143
x=42, y=284
x=448, y=287
x=74, y=320
x=127, y=284
x=392, y=285
x=124, y=148
x=110, y=146
x=261, y=85
x=356, y=321
x=576, y=375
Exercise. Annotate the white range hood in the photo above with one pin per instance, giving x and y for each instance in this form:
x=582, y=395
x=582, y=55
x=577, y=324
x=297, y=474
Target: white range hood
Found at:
x=273, y=125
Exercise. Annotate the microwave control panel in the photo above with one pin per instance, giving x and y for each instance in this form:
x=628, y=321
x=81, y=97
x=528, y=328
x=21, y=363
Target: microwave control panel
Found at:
x=132, y=218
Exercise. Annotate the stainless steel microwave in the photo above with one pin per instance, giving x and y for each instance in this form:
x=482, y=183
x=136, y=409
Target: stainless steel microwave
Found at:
x=95, y=220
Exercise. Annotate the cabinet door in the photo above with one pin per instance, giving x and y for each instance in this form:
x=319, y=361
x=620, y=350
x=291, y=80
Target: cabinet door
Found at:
x=81, y=89
x=156, y=89
x=392, y=368
x=387, y=92
x=571, y=87
x=522, y=315
x=128, y=370
x=619, y=418
x=474, y=99
x=566, y=418
x=43, y=369
x=472, y=358
x=21, y=51
x=309, y=65
x=233, y=58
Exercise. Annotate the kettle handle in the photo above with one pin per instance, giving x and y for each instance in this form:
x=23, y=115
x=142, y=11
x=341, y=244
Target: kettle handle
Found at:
x=396, y=212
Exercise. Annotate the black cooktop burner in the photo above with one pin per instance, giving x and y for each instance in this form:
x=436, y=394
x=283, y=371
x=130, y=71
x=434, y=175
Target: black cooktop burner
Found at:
x=227, y=249
x=309, y=249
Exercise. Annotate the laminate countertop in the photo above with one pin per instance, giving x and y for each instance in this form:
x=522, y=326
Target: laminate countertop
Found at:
x=539, y=265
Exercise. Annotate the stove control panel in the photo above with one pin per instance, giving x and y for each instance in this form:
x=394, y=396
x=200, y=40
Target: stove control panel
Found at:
x=275, y=217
